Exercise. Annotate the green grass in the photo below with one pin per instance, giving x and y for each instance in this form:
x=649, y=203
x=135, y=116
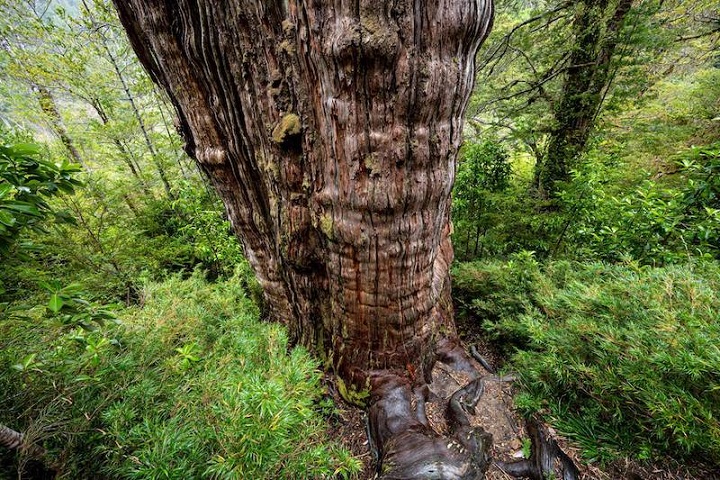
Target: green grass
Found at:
x=623, y=359
x=192, y=385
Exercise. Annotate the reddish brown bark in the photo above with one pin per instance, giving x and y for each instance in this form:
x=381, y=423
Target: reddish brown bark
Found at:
x=330, y=130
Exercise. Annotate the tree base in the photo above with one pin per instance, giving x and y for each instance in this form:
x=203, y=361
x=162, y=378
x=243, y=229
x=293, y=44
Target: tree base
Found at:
x=407, y=445
x=438, y=430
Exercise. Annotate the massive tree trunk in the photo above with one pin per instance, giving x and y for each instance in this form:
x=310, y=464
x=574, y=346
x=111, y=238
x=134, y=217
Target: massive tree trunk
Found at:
x=330, y=130
x=597, y=34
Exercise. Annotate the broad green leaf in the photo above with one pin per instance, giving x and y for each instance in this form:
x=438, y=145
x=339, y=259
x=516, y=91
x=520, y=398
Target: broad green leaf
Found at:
x=25, y=149
x=5, y=188
x=55, y=303
x=24, y=208
x=7, y=219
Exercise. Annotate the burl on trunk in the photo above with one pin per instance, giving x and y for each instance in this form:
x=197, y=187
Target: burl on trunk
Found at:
x=330, y=129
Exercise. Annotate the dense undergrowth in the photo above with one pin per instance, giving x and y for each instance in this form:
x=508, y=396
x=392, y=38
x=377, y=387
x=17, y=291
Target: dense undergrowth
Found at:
x=647, y=190
x=623, y=359
x=189, y=385
x=605, y=297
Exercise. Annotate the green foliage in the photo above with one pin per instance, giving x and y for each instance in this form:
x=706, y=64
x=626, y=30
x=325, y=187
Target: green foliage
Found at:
x=524, y=65
x=498, y=223
x=623, y=359
x=483, y=175
x=610, y=211
x=188, y=232
x=496, y=291
x=68, y=306
x=27, y=182
x=100, y=110
x=651, y=221
x=191, y=385
x=700, y=202
x=482, y=166
x=109, y=253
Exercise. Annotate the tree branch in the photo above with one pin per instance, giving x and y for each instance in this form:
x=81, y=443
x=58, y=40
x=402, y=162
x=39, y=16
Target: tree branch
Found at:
x=699, y=35
x=505, y=41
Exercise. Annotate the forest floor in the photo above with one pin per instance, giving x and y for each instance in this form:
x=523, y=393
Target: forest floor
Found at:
x=497, y=415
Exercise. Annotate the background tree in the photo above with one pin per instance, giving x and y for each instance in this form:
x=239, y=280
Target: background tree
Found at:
x=483, y=176
x=551, y=68
x=597, y=29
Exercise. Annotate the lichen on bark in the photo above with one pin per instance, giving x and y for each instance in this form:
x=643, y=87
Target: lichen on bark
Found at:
x=289, y=126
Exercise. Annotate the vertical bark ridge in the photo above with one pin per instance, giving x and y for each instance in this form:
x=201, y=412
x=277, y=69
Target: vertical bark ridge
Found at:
x=393, y=143
x=330, y=129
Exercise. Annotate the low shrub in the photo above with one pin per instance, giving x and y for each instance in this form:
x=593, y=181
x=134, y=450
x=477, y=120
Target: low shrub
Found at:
x=621, y=358
x=649, y=220
x=191, y=385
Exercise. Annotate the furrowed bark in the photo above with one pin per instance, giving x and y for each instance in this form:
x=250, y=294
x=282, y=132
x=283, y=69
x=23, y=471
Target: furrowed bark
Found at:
x=330, y=130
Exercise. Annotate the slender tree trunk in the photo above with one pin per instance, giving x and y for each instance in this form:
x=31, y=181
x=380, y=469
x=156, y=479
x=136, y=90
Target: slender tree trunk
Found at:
x=131, y=205
x=141, y=122
x=125, y=154
x=49, y=108
x=596, y=38
x=161, y=106
x=330, y=130
x=136, y=112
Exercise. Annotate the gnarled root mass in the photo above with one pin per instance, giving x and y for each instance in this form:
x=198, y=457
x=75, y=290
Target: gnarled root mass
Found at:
x=408, y=445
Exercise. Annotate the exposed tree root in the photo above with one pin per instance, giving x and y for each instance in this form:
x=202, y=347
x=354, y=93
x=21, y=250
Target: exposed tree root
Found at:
x=407, y=445
x=13, y=440
x=476, y=355
x=547, y=459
